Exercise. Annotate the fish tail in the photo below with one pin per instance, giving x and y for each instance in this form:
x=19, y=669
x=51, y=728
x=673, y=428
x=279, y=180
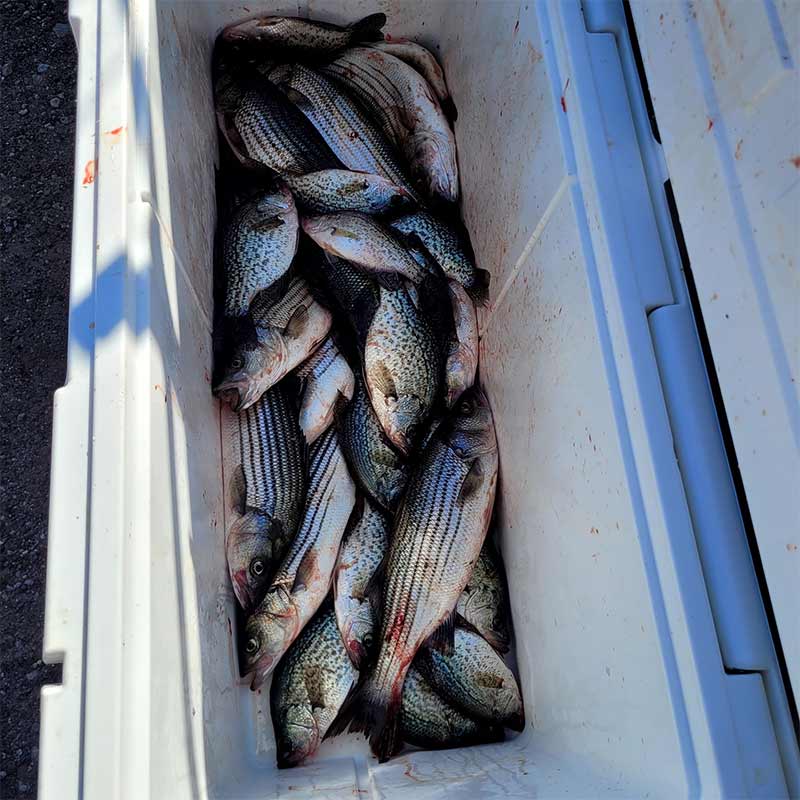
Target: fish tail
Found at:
x=369, y=28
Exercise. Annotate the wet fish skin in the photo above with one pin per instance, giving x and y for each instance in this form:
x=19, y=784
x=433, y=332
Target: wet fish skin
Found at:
x=330, y=190
x=462, y=358
x=446, y=247
x=327, y=377
x=363, y=550
x=309, y=686
x=402, y=367
x=305, y=36
x=273, y=471
x=304, y=576
x=475, y=679
x=268, y=343
x=429, y=721
x=380, y=471
x=435, y=541
x=363, y=241
x=409, y=113
x=344, y=125
x=484, y=601
x=258, y=245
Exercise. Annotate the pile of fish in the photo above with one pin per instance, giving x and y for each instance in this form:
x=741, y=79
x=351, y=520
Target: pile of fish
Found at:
x=346, y=343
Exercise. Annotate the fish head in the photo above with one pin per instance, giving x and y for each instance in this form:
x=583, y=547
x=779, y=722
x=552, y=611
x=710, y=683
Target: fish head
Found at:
x=252, y=367
x=460, y=371
x=401, y=420
x=433, y=165
x=469, y=430
x=378, y=192
x=276, y=203
x=334, y=233
x=483, y=609
x=297, y=735
x=250, y=549
x=268, y=633
x=358, y=632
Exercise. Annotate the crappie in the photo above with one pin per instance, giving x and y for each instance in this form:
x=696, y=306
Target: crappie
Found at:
x=327, y=377
x=435, y=541
x=376, y=466
x=304, y=576
x=423, y=62
x=258, y=246
x=475, y=679
x=363, y=241
x=271, y=497
x=409, y=114
x=402, y=367
x=258, y=350
x=363, y=549
x=343, y=124
x=305, y=36
x=447, y=249
x=310, y=685
x=427, y=720
x=484, y=601
x=332, y=190
x=462, y=358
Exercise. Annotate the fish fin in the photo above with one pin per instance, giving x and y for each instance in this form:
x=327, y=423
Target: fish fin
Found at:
x=368, y=29
x=237, y=490
x=472, y=481
x=373, y=591
x=392, y=281
x=383, y=381
x=443, y=637
x=297, y=322
x=466, y=625
x=480, y=291
x=306, y=571
x=268, y=223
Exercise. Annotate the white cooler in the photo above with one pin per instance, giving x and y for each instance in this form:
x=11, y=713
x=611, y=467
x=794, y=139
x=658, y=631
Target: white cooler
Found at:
x=648, y=664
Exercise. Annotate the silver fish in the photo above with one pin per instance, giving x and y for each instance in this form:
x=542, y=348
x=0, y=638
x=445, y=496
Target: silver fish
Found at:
x=332, y=190
x=343, y=124
x=304, y=576
x=327, y=377
x=484, y=601
x=435, y=541
x=429, y=721
x=269, y=343
x=258, y=246
x=363, y=241
x=271, y=500
x=310, y=685
x=447, y=249
x=409, y=113
x=402, y=367
x=364, y=547
x=462, y=358
x=475, y=679
x=305, y=36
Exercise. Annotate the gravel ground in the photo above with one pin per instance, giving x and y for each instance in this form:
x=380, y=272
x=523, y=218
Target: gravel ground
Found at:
x=37, y=130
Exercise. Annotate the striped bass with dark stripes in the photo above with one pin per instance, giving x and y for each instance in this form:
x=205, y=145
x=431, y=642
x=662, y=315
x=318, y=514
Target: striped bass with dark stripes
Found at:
x=271, y=485
x=304, y=577
x=436, y=540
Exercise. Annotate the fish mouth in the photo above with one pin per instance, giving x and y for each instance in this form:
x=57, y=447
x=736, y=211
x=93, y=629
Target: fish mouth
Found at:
x=260, y=671
x=237, y=397
x=241, y=589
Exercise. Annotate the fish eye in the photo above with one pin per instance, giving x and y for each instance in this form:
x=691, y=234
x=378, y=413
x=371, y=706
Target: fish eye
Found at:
x=237, y=362
x=257, y=567
x=367, y=640
x=365, y=185
x=251, y=648
x=465, y=407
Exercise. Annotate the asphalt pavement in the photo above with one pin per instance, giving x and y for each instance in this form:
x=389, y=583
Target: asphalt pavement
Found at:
x=37, y=132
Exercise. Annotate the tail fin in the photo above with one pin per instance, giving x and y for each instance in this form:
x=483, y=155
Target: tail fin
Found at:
x=369, y=28
x=374, y=711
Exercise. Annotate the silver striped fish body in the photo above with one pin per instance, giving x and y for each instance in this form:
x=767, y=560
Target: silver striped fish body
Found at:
x=429, y=721
x=346, y=128
x=304, y=576
x=447, y=249
x=259, y=244
x=308, y=689
x=484, y=601
x=475, y=679
x=402, y=367
x=283, y=335
x=327, y=377
x=462, y=357
x=273, y=467
x=362, y=240
x=364, y=547
x=273, y=132
x=409, y=113
x=330, y=190
x=380, y=471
